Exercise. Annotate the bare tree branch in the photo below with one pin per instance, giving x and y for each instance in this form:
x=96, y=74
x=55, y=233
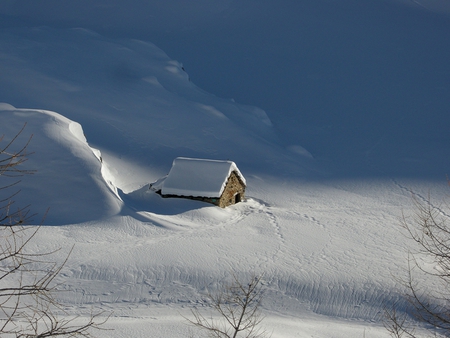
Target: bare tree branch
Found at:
x=239, y=308
x=27, y=304
x=429, y=228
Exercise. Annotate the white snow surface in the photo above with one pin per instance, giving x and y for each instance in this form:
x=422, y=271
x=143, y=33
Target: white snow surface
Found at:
x=198, y=177
x=75, y=189
x=109, y=113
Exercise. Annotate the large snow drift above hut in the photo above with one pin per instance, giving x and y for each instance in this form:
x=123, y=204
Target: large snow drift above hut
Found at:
x=191, y=177
x=67, y=173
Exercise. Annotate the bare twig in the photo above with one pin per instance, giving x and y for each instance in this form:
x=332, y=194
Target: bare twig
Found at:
x=239, y=308
x=27, y=304
x=429, y=228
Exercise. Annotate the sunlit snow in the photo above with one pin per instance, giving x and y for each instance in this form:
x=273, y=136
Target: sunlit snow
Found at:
x=108, y=111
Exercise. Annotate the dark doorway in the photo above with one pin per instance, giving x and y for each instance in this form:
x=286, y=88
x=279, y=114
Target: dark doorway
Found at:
x=237, y=198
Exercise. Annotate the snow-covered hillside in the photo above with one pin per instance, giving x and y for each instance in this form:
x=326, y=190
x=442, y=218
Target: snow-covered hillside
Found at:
x=371, y=75
x=109, y=111
x=68, y=173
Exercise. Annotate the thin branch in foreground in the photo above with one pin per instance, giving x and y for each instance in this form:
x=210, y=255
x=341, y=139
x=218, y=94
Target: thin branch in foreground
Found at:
x=28, y=308
x=429, y=228
x=239, y=308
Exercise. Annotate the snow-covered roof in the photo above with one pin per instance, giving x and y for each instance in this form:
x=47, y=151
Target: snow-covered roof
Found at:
x=198, y=177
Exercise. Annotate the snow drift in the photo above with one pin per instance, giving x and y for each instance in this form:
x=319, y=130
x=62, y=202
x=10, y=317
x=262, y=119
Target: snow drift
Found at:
x=67, y=174
x=328, y=247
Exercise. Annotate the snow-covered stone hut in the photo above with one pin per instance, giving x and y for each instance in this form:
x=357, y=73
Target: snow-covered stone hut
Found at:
x=217, y=182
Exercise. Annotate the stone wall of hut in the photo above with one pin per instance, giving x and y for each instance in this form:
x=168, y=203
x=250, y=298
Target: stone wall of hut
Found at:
x=234, y=191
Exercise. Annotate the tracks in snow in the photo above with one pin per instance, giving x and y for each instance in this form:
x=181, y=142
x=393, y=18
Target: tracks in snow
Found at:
x=421, y=199
x=261, y=207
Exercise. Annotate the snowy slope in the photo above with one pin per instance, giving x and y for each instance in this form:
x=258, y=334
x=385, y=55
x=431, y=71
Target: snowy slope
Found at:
x=328, y=246
x=371, y=75
x=101, y=83
x=68, y=175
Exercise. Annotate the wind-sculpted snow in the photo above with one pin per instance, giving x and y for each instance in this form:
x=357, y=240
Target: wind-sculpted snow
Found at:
x=326, y=248
x=66, y=179
x=109, y=111
x=133, y=100
x=336, y=258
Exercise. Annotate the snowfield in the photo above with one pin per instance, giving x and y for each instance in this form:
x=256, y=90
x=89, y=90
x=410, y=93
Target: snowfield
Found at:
x=109, y=112
x=327, y=248
x=66, y=163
